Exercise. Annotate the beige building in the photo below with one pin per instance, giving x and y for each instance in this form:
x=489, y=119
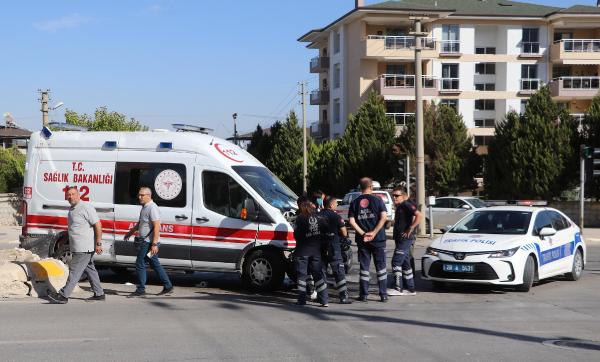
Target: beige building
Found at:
x=483, y=57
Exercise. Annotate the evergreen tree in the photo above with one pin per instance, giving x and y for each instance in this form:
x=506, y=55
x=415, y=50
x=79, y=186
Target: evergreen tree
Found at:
x=12, y=169
x=530, y=154
x=260, y=145
x=591, y=138
x=104, y=121
x=285, y=156
x=447, y=150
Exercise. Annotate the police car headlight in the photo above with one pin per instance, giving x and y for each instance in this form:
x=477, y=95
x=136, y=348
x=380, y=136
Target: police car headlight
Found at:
x=431, y=251
x=504, y=253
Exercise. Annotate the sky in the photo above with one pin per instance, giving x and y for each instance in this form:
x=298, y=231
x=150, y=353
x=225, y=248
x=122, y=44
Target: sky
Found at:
x=165, y=61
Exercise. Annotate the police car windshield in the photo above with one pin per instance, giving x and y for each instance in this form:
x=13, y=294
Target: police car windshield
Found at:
x=268, y=186
x=494, y=222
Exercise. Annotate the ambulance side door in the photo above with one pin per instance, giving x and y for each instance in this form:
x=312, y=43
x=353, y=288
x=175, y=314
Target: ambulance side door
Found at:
x=219, y=232
x=170, y=178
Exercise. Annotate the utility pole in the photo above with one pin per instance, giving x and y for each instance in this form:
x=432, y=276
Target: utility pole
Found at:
x=420, y=159
x=235, y=134
x=582, y=157
x=44, y=99
x=304, y=151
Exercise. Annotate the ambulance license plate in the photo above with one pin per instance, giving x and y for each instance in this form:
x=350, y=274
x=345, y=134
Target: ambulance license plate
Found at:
x=459, y=268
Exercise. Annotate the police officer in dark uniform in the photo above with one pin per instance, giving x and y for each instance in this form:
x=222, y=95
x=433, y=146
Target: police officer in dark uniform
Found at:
x=367, y=215
x=333, y=254
x=310, y=235
x=407, y=218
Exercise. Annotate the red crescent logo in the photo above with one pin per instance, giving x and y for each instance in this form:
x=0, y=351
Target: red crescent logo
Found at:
x=227, y=152
x=364, y=203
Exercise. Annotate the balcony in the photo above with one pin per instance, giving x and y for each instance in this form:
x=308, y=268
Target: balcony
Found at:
x=450, y=85
x=450, y=48
x=575, y=87
x=574, y=51
x=400, y=119
x=404, y=85
x=319, y=130
x=319, y=64
x=319, y=97
x=529, y=85
x=530, y=49
x=382, y=46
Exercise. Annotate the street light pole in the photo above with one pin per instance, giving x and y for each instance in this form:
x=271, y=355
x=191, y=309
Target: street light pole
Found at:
x=235, y=135
x=420, y=159
x=304, y=150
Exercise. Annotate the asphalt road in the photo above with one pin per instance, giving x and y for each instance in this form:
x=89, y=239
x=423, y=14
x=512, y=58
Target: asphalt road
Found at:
x=224, y=322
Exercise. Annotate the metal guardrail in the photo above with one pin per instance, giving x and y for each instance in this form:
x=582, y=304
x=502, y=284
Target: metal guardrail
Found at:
x=579, y=45
x=407, y=81
x=579, y=82
x=403, y=42
x=530, y=47
x=450, y=83
x=400, y=118
x=530, y=84
x=450, y=46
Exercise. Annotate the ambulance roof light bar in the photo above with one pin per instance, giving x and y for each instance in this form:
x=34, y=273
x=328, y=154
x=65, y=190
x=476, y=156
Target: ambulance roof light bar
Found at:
x=165, y=146
x=109, y=145
x=66, y=127
x=179, y=127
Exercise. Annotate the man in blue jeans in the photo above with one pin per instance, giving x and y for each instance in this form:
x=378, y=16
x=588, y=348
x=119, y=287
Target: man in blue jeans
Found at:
x=148, y=229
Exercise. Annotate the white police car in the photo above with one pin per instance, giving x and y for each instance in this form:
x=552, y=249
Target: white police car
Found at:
x=510, y=245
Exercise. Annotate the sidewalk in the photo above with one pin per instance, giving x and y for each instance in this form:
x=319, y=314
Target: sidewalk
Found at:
x=9, y=236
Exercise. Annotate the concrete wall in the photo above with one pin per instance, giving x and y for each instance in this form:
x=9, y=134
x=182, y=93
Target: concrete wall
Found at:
x=10, y=213
x=571, y=209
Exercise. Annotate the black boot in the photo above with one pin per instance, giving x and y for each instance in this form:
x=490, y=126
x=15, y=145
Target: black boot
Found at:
x=344, y=298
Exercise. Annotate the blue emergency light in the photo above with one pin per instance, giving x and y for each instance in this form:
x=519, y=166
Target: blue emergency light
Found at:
x=165, y=146
x=109, y=145
x=46, y=132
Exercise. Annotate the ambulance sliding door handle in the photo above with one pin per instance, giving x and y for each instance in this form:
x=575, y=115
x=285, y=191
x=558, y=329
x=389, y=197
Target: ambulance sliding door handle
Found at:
x=181, y=217
x=201, y=219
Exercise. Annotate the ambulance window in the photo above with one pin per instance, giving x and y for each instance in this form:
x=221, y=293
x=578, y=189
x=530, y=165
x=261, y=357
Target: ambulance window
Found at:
x=166, y=180
x=222, y=194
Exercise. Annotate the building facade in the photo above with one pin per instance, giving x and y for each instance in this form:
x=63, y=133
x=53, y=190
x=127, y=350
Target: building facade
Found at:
x=483, y=57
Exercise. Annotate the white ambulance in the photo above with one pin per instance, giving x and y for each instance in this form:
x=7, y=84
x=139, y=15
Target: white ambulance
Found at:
x=221, y=209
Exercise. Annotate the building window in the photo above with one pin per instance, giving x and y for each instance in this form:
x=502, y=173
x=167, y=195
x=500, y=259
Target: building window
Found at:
x=529, y=75
x=523, y=105
x=336, y=136
x=324, y=115
x=395, y=69
x=482, y=140
x=336, y=75
x=336, y=42
x=452, y=103
x=530, y=43
x=485, y=104
x=485, y=50
x=130, y=176
x=450, y=76
x=450, y=39
x=485, y=123
x=485, y=68
x=485, y=86
x=336, y=110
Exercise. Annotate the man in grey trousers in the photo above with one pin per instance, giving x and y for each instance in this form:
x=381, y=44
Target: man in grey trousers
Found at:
x=85, y=238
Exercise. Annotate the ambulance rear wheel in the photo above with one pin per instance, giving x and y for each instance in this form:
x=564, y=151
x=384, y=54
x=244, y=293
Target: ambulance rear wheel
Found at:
x=264, y=270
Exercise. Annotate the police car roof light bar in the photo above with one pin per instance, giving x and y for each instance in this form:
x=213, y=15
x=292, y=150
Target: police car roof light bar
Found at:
x=180, y=127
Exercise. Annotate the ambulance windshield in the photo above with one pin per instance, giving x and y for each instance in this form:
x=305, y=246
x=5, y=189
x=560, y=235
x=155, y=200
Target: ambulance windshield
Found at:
x=268, y=186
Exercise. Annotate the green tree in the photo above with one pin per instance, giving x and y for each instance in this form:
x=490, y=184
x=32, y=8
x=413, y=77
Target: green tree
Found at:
x=447, y=150
x=104, y=121
x=591, y=138
x=365, y=147
x=260, y=145
x=12, y=169
x=285, y=156
x=530, y=154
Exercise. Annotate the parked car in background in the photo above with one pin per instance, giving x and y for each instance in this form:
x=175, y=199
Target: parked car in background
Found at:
x=449, y=209
x=385, y=195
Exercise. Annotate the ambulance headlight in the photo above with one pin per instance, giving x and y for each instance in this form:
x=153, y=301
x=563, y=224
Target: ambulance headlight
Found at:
x=504, y=253
x=431, y=251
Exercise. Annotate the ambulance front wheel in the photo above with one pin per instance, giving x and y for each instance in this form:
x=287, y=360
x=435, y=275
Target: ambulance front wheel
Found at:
x=264, y=270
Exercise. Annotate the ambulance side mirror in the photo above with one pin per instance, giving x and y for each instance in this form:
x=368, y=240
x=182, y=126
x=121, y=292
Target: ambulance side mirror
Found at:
x=249, y=210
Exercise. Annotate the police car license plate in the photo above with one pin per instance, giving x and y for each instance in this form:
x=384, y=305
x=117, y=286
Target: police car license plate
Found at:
x=459, y=268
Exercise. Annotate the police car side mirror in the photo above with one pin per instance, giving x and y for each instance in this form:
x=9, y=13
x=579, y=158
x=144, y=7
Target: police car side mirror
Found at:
x=445, y=229
x=547, y=232
x=249, y=210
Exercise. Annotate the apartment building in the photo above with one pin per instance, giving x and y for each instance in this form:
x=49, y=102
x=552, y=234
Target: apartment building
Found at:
x=483, y=57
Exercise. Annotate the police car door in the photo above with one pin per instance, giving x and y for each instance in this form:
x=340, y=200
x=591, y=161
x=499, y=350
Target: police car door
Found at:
x=57, y=170
x=170, y=178
x=563, y=247
x=546, y=244
x=220, y=232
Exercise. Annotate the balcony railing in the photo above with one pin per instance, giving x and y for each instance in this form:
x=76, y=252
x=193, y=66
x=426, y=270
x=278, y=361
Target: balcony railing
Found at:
x=319, y=64
x=580, y=83
x=530, y=84
x=580, y=45
x=450, y=46
x=530, y=47
x=400, y=119
x=450, y=84
x=406, y=81
x=319, y=97
x=403, y=42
